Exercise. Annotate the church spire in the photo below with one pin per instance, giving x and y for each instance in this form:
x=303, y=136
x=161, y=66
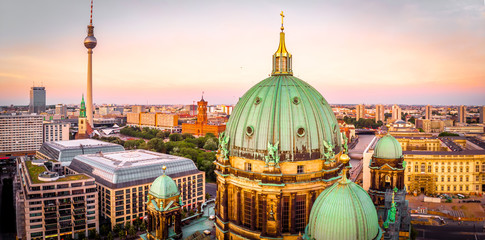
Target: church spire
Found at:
x=82, y=109
x=282, y=59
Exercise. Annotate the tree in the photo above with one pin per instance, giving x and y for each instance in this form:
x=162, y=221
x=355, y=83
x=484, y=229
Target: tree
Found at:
x=127, y=226
x=207, y=196
x=122, y=233
x=175, y=137
x=143, y=226
x=447, y=134
x=132, y=231
x=110, y=236
x=187, y=135
x=81, y=235
x=104, y=229
x=412, y=120
x=92, y=233
x=210, y=144
x=117, y=228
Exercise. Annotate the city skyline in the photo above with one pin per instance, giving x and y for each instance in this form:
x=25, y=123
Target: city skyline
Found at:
x=168, y=53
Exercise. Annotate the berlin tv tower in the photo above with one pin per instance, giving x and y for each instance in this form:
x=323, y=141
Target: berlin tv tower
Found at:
x=90, y=43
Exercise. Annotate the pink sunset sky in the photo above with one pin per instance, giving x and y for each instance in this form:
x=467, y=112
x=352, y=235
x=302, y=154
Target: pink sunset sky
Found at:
x=168, y=52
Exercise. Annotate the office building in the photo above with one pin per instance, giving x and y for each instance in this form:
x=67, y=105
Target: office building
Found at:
x=137, y=109
x=396, y=112
x=61, y=109
x=481, y=110
x=428, y=112
x=160, y=121
x=124, y=178
x=37, y=100
x=65, y=151
x=20, y=134
x=380, y=113
x=56, y=131
x=359, y=111
x=462, y=114
x=50, y=206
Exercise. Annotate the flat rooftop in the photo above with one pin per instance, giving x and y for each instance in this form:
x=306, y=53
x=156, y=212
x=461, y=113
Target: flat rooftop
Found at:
x=65, y=151
x=85, y=143
x=35, y=170
x=132, y=167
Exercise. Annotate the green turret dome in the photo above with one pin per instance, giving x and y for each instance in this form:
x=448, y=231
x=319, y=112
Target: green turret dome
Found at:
x=343, y=211
x=388, y=148
x=164, y=187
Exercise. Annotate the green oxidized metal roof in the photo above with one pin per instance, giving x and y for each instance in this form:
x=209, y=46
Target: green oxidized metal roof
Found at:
x=284, y=109
x=164, y=187
x=343, y=211
x=388, y=148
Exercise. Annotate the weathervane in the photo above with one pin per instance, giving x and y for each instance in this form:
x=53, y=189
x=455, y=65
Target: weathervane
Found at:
x=282, y=16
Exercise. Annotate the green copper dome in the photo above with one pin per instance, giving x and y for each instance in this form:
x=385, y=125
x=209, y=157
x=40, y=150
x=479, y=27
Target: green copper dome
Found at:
x=164, y=187
x=388, y=148
x=285, y=110
x=343, y=211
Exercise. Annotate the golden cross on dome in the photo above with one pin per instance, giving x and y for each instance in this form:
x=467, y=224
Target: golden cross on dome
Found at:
x=282, y=16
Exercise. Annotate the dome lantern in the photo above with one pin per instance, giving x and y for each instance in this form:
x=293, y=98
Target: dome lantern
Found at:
x=282, y=59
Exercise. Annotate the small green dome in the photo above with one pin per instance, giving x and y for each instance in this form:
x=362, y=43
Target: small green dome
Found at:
x=286, y=110
x=388, y=148
x=164, y=187
x=343, y=211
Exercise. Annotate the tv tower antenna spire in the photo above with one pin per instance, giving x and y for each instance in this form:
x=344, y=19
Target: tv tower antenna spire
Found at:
x=90, y=43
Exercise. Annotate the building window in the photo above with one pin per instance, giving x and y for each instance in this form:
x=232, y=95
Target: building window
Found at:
x=409, y=169
x=436, y=169
x=248, y=167
x=409, y=178
x=454, y=178
x=461, y=188
x=442, y=179
x=448, y=188
x=416, y=168
x=467, y=169
x=299, y=169
x=448, y=178
x=466, y=178
x=260, y=213
x=429, y=168
x=286, y=214
x=461, y=169
x=442, y=188
x=247, y=209
x=461, y=179
x=477, y=168
x=476, y=187
x=300, y=213
x=466, y=187
x=454, y=188
x=423, y=167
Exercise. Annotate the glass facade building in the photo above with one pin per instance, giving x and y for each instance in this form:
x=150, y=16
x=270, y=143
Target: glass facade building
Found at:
x=37, y=100
x=65, y=151
x=124, y=178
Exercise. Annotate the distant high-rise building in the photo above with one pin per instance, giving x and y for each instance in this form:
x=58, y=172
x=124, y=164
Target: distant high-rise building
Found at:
x=462, y=114
x=482, y=114
x=20, y=135
x=56, y=131
x=61, y=109
x=37, y=100
x=428, y=112
x=90, y=43
x=137, y=109
x=359, y=111
x=379, y=113
x=396, y=112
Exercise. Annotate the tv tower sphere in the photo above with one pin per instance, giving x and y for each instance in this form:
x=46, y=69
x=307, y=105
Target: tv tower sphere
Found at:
x=90, y=41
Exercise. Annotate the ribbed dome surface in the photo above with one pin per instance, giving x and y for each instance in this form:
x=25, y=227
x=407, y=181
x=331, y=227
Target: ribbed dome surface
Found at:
x=343, y=211
x=388, y=148
x=164, y=187
x=283, y=109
